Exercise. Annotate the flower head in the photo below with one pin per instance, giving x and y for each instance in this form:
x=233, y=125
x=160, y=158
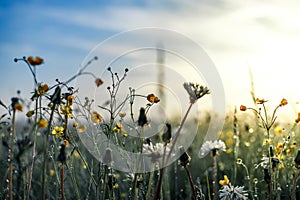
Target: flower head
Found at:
x=243, y=108
x=96, y=118
x=212, y=146
x=231, y=192
x=42, y=123
x=155, y=151
x=260, y=101
x=42, y=89
x=98, y=82
x=225, y=181
x=35, y=60
x=195, y=91
x=58, y=131
x=283, y=102
x=152, y=98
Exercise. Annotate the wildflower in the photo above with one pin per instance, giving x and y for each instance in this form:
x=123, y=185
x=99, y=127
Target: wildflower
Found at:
x=51, y=172
x=96, y=117
x=30, y=113
x=283, y=102
x=229, y=142
x=58, y=131
x=122, y=114
x=184, y=159
x=212, y=146
x=75, y=124
x=62, y=154
x=116, y=186
x=167, y=135
x=281, y=166
x=142, y=118
x=195, y=91
x=98, y=82
x=260, y=101
x=76, y=154
x=42, y=89
x=66, y=110
x=35, y=60
x=239, y=161
x=231, y=192
x=155, y=151
x=279, y=147
x=230, y=134
x=243, y=108
x=297, y=160
x=225, y=181
x=66, y=143
x=278, y=130
x=42, y=123
x=70, y=99
x=81, y=128
x=16, y=105
x=152, y=98
x=298, y=118
x=267, y=142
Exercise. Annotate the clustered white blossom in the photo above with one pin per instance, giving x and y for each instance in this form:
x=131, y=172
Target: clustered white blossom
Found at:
x=234, y=193
x=155, y=151
x=195, y=91
x=209, y=146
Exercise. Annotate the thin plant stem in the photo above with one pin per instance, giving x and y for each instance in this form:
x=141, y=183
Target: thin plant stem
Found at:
x=11, y=157
x=294, y=185
x=62, y=185
x=162, y=171
x=215, y=175
x=191, y=182
x=33, y=152
x=45, y=153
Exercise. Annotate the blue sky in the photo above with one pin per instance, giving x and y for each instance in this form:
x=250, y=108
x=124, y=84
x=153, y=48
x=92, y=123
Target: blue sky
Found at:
x=262, y=35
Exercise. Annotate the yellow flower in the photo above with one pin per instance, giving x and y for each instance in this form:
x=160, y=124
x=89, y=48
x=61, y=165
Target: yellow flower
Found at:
x=229, y=150
x=278, y=130
x=66, y=110
x=288, y=151
x=42, y=123
x=66, y=142
x=152, y=98
x=70, y=100
x=116, y=186
x=225, y=181
x=42, y=89
x=267, y=142
x=75, y=124
x=18, y=106
x=81, y=128
x=229, y=142
x=122, y=114
x=283, y=102
x=51, y=172
x=96, y=117
x=243, y=108
x=230, y=134
x=76, y=154
x=279, y=147
x=35, y=60
x=30, y=113
x=281, y=166
x=58, y=131
x=260, y=101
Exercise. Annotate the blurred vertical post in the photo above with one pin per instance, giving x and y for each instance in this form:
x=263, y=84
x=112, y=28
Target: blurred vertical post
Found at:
x=160, y=60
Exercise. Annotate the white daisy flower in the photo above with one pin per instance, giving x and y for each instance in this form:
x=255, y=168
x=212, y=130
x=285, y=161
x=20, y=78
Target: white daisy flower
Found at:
x=231, y=192
x=209, y=146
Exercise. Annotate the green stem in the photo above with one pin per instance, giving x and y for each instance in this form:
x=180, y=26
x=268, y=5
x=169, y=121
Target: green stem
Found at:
x=11, y=157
